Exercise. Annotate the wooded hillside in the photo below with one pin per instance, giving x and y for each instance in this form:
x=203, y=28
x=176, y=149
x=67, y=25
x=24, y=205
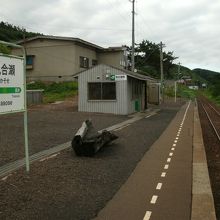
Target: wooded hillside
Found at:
x=11, y=33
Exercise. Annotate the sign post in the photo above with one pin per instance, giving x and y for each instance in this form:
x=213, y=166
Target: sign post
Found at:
x=13, y=89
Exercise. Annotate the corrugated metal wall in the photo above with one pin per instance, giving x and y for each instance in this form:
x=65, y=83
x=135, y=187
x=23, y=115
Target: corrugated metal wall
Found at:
x=98, y=74
x=34, y=97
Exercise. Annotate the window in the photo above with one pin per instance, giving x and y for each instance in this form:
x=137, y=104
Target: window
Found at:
x=94, y=62
x=84, y=62
x=29, y=61
x=108, y=91
x=94, y=90
x=102, y=91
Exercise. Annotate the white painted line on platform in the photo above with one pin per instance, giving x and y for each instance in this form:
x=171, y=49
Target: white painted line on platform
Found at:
x=174, y=145
x=6, y=177
x=168, y=160
x=177, y=138
x=154, y=199
x=163, y=174
x=171, y=154
x=172, y=148
x=147, y=215
x=49, y=157
x=120, y=128
x=166, y=166
x=154, y=113
x=175, y=141
x=159, y=185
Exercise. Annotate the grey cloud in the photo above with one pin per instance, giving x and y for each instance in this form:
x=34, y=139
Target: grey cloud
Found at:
x=189, y=28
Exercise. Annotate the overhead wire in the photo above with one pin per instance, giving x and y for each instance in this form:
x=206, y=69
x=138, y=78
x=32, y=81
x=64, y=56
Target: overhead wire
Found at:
x=119, y=12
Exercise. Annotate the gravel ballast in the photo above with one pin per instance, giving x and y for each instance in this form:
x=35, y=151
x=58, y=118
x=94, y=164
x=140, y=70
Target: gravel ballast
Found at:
x=70, y=187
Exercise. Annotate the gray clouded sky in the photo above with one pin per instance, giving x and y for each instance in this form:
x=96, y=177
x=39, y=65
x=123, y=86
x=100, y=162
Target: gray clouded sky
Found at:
x=189, y=28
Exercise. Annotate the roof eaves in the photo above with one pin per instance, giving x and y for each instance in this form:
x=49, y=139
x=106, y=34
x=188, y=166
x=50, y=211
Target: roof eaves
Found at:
x=128, y=72
x=135, y=75
x=61, y=38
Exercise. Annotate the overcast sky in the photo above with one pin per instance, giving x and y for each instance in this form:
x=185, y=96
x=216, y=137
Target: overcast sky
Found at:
x=189, y=28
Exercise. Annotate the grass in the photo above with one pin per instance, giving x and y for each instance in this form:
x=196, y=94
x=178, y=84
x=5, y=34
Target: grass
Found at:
x=55, y=91
x=210, y=96
x=182, y=91
x=185, y=92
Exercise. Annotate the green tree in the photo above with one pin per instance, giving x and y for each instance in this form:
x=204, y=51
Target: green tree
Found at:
x=147, y=58
x=4, y=49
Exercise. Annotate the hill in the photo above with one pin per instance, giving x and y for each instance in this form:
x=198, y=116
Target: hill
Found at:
x=208, y=75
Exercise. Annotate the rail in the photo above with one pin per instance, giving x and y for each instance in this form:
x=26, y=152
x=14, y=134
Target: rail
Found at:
x=210, y=119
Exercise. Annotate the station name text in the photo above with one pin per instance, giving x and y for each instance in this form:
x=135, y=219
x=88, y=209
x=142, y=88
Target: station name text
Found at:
x=5, y=72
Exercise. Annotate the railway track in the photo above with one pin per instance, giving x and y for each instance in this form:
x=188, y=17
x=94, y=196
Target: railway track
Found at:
x=212, y=114
x=210, y=122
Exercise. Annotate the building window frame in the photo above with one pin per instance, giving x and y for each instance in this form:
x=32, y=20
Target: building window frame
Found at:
x=84, y=62
x=101, y=91
x=94, y=62
x=30, y=61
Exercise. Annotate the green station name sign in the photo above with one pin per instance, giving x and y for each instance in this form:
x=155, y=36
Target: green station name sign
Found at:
x=9, y=90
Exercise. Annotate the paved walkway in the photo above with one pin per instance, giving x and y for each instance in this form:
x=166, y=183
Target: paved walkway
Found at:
x=160, y=188
x=10, y=167
x=171, y=182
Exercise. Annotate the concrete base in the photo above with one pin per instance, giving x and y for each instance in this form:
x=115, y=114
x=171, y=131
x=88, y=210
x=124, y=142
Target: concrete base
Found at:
x=202, y=198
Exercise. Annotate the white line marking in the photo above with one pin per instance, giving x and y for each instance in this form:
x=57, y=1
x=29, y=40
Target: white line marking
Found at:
x=163, y=174
x=175, y=141
x=120, y=128
x=168, y=160
x=184, y=117
x=171, y=154
x=159, y=185
x=49, y=157
x=177, y=138
x=172, y=148
x=174, y=145
x=166, y=166
x=154, y=113
x=147, y=215
x=178, y=135
x=154, y=199
x=6, y=177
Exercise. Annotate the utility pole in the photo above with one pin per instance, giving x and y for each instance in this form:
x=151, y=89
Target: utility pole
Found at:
x=178, y=70
x=133, y=37
x=175, y=85
x=161, y=70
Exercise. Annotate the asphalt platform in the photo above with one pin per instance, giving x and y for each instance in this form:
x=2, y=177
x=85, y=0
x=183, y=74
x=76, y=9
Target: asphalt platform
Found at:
x=171, y=181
